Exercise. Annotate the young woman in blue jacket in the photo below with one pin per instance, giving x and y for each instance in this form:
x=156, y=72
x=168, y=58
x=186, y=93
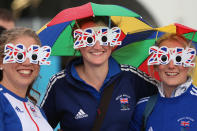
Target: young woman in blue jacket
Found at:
x=175, y=108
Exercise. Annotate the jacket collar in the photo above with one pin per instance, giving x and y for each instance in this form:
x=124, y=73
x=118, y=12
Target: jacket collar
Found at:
x=179, y=90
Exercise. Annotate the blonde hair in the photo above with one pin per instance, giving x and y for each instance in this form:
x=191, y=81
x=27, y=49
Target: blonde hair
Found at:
x=173, y=37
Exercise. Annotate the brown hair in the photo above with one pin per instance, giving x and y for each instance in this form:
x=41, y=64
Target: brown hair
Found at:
x=10, y=35
x=100, y=20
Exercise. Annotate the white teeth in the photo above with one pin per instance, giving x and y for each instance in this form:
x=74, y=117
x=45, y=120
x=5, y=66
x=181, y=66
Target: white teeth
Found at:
x=97, y=53
x=171, y=74
x=26, y=72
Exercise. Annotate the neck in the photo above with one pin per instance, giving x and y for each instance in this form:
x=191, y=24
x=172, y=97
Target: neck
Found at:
x=93, y=75
x=168, y=91
x=19, y=91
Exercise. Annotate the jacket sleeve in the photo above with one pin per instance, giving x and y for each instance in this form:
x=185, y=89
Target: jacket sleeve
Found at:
x=1, y=113
x=144, y=84
x=145, y=87
x=48, y=104
x=137, y=118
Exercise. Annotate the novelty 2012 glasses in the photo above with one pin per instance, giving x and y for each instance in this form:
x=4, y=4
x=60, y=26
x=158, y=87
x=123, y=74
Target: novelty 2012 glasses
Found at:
x=18, y=54
x=88, y=37
x=179, y=56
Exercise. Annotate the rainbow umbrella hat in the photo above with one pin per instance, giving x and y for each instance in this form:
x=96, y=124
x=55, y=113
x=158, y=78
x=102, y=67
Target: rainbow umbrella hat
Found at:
x=58, y=32
x=139, y=43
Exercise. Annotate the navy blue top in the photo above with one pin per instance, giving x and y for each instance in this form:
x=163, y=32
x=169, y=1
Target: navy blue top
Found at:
x=169, y=114
x=114, y=69
x=73, y=103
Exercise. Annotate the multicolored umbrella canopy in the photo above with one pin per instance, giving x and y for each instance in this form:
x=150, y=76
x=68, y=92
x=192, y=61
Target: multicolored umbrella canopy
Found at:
x=139, y=43
x=58, y=32
x=177, y=28
x=134, y=49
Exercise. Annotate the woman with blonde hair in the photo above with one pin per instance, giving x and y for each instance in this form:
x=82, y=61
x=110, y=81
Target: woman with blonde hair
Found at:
x=173, y=108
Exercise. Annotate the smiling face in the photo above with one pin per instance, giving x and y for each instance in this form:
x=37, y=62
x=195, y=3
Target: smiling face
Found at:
x=172, y=75
x=20, y=74
x=97, y=54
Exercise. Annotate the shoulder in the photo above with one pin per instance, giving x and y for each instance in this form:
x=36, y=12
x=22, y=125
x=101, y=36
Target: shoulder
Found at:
x=138, y=74
x=193, y=90
x=137, y=119
x=147, y=102
x=2, y=96
x=4, y=102
x=57, y=79
x=1, y=92
x=140, y=108
x=142, y=102
x=55, y=85
x=58, y=76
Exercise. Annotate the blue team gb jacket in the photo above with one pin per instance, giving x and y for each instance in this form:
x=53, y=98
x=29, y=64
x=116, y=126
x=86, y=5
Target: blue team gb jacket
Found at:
x=74, y=104
x=169, y=114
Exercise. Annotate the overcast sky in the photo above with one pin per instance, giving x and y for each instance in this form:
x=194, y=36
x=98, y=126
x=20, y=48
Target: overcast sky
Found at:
x=169, y=11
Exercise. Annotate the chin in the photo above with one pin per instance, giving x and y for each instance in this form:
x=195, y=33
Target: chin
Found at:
x=173, y=84
x=26, y=83
x=98, y=63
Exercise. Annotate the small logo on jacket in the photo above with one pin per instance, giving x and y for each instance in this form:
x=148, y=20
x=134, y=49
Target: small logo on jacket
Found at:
x=81, y=114
x=18, y=109
x=32, y=109
x=185, y=122
x=124, y=102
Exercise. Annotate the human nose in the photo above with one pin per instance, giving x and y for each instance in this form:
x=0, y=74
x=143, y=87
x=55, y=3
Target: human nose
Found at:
x=171, y=64
x=26, y=62
x=97, y=45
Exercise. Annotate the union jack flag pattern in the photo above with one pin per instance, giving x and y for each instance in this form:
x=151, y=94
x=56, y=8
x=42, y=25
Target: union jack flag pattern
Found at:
x=105, y=36
x=18, y=53
x=164, y=55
